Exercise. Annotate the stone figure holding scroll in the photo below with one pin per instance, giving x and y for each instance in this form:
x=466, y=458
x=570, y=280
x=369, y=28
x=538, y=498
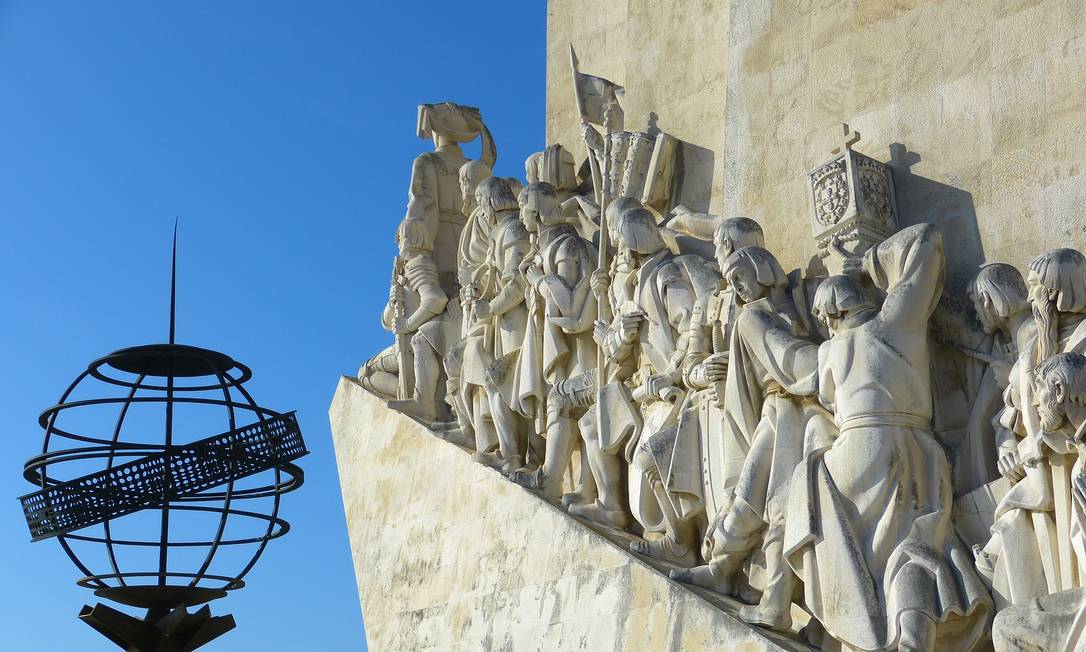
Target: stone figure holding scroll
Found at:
x=868, y=526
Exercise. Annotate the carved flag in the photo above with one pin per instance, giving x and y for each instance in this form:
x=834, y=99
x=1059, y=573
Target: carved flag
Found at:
x=594, y=93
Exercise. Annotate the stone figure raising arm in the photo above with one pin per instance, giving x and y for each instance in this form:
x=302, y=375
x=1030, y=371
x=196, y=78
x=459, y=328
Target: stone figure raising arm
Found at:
x=868, y=525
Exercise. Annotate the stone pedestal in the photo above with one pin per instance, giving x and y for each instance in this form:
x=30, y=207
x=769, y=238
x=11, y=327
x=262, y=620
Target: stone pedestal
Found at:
x=450, y=555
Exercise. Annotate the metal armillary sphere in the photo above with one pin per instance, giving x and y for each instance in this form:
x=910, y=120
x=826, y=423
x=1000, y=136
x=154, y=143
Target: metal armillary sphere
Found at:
x=120, y=465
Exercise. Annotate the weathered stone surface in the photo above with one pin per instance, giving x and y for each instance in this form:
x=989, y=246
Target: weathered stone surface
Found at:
x=449, y=555
x=673, y=59
x=975, y=103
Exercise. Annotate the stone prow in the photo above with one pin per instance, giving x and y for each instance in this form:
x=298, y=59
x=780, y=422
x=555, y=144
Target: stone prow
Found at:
x=449, y=554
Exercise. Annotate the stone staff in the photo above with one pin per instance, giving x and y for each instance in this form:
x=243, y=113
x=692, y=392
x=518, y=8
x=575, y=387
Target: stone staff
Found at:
x=403, y=340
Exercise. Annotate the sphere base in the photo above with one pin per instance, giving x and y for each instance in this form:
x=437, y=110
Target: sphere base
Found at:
x=161, y=630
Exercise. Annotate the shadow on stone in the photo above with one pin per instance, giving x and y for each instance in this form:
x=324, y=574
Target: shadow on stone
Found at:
x=920, y=199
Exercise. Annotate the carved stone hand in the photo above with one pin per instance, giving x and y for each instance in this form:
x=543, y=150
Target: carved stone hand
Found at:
x=599, y=332
x=601, y=280
x=482, y=310
x=1010, y=466
x=628, y=327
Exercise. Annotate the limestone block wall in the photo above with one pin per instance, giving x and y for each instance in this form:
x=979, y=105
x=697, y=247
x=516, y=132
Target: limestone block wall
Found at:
x=671, y=57
x=449, y=555
x=977, y=104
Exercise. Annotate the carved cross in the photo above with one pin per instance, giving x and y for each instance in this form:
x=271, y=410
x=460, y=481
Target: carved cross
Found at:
x=848, y=139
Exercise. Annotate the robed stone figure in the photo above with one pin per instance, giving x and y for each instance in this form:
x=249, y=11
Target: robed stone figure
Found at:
x=868, y=527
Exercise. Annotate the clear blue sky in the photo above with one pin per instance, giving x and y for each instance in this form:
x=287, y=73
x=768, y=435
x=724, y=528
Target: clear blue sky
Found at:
x=282, y=134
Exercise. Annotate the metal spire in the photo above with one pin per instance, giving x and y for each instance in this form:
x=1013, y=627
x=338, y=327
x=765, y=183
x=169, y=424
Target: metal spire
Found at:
x=173, y=284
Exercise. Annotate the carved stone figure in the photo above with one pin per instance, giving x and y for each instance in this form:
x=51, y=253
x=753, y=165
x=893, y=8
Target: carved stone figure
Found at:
x=433, y=327
x=434, y=219
x=1056, y=621
x=704, y=465
x=769, y=406
x=556, y=339
x=651, y=297
x=504, y=319
x=483, y=268
x=1029, y=553
x=569, y=379
x=868, y=523
x=981, y=341
x=472, y=251
x=434, y=201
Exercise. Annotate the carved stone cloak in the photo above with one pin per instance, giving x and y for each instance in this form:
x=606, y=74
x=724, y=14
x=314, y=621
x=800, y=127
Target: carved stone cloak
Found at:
x=868, y=527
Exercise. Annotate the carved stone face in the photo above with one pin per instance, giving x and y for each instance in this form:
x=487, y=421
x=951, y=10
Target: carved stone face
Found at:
x=724, y=248
x=1048, y=398
x=530, y=217
x=744, y=280
x=467, y=192
x=1038, y=293
x=989, y=320
x=625, y=260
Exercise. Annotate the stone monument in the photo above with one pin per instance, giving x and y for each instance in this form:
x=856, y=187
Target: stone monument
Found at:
x=732, y=377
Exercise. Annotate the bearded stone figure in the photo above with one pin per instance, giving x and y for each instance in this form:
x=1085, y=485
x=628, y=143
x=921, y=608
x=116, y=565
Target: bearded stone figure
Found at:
x=1030, y=552
x=1055, y=621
